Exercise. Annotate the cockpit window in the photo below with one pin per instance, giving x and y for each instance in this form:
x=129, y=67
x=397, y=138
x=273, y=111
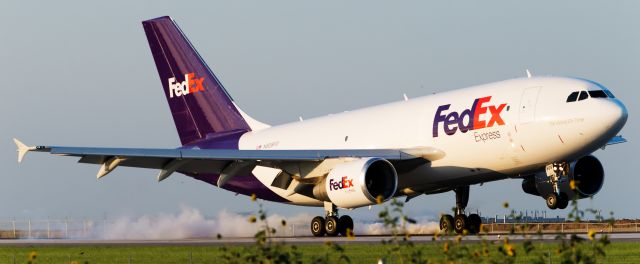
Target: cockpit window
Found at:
x=597, y=94
x=583, y=95
x=572, y=97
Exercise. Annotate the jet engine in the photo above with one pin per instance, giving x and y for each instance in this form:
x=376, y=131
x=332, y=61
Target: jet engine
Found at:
x=358, y=183
x=586, y=173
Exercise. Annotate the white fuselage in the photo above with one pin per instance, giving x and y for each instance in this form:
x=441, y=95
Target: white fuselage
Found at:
x=525, y=124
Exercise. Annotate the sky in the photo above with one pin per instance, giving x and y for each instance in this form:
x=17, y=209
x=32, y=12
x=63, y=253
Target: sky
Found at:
x=81, y=74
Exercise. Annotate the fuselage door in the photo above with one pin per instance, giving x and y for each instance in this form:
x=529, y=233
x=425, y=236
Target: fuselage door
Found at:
x=528, y=104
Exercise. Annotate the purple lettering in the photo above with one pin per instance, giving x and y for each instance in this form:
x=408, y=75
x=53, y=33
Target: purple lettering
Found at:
x=468, y=119
x=439, y=118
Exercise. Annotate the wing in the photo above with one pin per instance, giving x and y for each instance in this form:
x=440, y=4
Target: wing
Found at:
x=616, y=140
x=227, y=162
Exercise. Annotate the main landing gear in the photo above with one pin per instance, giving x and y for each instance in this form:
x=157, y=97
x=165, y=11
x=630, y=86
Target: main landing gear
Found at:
x=557, y=173
x=461, y=222
x=331, y=225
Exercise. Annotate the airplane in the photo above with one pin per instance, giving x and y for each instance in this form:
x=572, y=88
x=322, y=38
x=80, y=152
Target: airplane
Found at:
x=541, y=130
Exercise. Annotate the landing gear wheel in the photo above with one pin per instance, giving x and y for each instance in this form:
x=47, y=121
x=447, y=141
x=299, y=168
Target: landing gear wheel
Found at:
x=474, y=223
x=460, y=223
x=446, y=223
x=552, y=201
x=317, y=226
x=331, y=226
x=563, y=201
x=345, y=223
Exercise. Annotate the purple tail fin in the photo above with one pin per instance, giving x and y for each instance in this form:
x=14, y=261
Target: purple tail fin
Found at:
x=199, y=103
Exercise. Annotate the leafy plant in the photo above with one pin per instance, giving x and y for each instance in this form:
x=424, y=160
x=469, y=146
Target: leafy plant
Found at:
x=399, y=245
x=399, y=248
x=571, y=249
x=264, y=250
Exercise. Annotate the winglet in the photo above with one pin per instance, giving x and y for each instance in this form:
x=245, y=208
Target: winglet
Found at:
x=616, y=140
x=22, y=149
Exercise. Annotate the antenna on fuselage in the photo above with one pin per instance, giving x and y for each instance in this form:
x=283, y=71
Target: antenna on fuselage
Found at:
x=405, y=97
x=528, y=73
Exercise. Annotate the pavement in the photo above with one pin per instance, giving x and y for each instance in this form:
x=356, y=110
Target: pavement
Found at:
x=616, y=237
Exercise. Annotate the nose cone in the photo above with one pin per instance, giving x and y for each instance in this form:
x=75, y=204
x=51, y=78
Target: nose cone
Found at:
x=608, y=118
x=616, y=115
x=603, y=120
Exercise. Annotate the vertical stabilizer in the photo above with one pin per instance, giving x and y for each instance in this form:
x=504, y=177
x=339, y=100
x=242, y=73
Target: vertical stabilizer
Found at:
x=199, y=103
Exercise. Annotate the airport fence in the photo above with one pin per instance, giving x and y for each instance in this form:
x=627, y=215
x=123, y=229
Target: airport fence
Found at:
x=42, y=229
x=559, y=228
x=91, y=229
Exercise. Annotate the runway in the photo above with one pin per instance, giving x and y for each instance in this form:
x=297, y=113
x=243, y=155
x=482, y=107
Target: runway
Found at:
x=616, y=237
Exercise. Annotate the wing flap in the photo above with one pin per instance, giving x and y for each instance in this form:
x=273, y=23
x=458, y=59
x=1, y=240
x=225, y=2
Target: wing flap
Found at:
x=121, y=152
x=217, y=160
x=99, y=155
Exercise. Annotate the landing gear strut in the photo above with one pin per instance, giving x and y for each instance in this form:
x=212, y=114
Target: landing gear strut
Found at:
x=331, y=225
x=557, y=173
x=461, y=222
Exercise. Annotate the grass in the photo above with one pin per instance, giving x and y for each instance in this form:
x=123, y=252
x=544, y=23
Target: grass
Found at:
x=619, y=252
x=447, y=249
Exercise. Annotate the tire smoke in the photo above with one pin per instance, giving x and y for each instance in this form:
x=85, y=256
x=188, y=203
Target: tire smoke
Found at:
x=190, y=223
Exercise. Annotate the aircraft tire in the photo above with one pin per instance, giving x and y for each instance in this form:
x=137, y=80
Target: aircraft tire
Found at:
x=474, y=223
x=446, y=223
x=552, y=201
x=317, y=226
x=460, y=223
x=345, y=223
x=332, y=226
x=563, y=201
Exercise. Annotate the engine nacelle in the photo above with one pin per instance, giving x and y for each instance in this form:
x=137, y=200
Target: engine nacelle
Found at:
x=358, y=183
x=586, y=172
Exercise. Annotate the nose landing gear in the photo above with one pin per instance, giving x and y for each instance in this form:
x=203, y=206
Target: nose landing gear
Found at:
x=461, y=222
x=557, y=173
x=331, y=225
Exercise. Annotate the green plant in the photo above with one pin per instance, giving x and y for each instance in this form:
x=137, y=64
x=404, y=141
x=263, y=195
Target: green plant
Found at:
x=399, y=248
x=264, y=250
x=399, y=245
x=571, y=249
x=576, y=249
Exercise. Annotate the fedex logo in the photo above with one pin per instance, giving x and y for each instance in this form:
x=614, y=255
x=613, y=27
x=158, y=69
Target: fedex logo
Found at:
x=479, y=116
x=343, y=184
x=189, y=85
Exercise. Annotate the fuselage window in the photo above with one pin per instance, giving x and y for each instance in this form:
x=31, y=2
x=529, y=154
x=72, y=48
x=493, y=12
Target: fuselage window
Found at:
x=597, y=94
x=572, y=97
x=583, y=95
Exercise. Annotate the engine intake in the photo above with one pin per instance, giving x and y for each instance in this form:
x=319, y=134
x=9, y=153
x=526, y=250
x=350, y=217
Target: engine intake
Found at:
x=358, y=183
x=587, y=173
